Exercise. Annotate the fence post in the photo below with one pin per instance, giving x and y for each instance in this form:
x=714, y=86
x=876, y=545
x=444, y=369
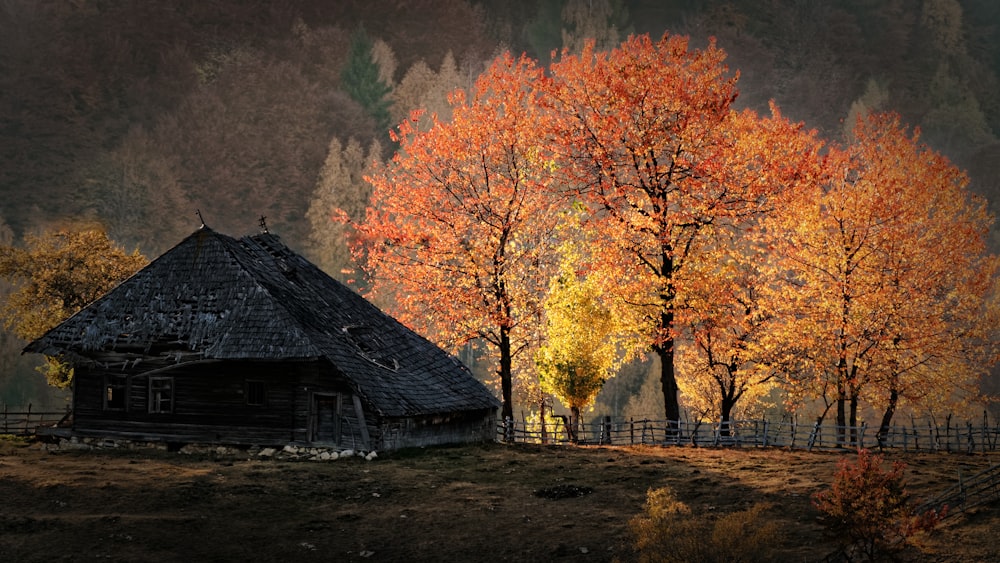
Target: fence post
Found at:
x=985, y=437
x=982, y=441
x=972, y=441
x=947, y=433
x=765, y=432
x=812, y=436
x=934, y=435
x=27, y=417
x=606, y=430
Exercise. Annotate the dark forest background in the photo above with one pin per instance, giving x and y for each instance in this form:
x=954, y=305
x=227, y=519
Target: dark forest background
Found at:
x=135, y=113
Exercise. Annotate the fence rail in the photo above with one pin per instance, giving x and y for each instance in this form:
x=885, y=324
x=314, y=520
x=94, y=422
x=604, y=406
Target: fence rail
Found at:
x=981, y=488
x=924, y=436
x=24, y=421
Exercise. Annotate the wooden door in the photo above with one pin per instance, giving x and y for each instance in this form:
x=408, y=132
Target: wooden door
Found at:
x=325, y=427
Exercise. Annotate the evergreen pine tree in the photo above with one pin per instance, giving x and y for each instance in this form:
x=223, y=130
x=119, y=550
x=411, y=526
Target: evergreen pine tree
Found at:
x=360, y=79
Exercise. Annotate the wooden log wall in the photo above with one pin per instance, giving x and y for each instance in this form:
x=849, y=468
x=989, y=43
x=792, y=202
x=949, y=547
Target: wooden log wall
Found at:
x=473, y=426
x=208, y=403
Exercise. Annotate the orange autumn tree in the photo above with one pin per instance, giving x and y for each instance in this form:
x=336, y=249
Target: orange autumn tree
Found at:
x=728, y=359
x=939, y=290
x=884, y=274
x=650, y=141
x=460, y=220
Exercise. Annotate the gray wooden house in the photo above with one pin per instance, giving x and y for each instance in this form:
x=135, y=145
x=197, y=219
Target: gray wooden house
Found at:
x=243, y=341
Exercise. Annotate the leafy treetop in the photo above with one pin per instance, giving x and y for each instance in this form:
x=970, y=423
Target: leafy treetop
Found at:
x=56, y=274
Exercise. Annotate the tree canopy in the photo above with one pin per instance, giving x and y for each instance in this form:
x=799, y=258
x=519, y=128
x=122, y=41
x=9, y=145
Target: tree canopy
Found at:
x=459, y=222
x=55, y=275
x=581, y=337
x=885, y=280
x=362, y=81
x=651, y=142
x=719, y=231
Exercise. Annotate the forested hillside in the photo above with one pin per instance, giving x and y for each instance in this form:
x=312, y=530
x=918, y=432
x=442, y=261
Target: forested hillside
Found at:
x=134, y=114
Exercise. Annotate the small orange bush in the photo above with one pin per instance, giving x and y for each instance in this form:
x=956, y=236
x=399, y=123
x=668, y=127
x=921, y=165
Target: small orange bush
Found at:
x=867, y=507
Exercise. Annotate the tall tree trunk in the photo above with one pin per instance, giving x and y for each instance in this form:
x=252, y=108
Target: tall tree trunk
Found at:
x=729, y=394
x=665, y=350
x=854, y=417
x=726, y=414
x=506, y=384
x=668, y=383
x=890, y=410
x=841, y=415
x=574, y=424
x=842, y=387
x=541, y=419
x=842, y=379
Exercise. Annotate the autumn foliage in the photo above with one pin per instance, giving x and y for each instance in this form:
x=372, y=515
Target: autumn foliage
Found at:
x=581, y=340
x=56, y=274
x=883, y=281
x=669, y=531
x=868, y=507
x=651, y=142
x=459, y=222
x=849, y=273
x=728, y=356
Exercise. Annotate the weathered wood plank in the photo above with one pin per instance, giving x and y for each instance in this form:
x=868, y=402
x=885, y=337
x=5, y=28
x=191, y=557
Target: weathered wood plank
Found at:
x=359, y=411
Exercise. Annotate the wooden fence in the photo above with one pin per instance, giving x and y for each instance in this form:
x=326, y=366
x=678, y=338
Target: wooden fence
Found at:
x=969, y=492
x=918, y=436
x=24, y=421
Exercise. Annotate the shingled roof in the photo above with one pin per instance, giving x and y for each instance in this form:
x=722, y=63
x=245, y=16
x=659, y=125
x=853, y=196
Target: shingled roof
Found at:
x=215, y=297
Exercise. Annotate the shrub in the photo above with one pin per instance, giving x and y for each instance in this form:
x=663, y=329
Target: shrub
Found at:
x=867, y=508
x=668, y=532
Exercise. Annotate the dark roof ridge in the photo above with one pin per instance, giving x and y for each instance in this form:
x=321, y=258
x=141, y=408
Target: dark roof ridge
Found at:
x=254, y=298
x=31, y=346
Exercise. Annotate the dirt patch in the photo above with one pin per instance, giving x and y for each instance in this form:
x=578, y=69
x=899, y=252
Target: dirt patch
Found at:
x=563, y=491
x=476, y=503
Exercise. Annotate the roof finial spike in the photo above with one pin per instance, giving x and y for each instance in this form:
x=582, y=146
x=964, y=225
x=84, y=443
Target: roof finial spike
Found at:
x=263, y=224
x=200, y=218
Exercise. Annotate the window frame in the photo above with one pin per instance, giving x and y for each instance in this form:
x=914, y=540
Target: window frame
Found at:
x=156, y=384
x=252, y=389
x=115, y=382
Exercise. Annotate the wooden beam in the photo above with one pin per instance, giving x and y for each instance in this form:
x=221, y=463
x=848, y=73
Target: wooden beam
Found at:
x=359, y=411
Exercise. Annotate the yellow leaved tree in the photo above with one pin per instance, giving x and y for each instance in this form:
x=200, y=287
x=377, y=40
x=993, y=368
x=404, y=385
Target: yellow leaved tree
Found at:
x=582, y=338
x=55, y=275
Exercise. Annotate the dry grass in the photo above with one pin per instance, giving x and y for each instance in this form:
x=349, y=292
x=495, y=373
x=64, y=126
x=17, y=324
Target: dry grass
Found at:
x=474, y=503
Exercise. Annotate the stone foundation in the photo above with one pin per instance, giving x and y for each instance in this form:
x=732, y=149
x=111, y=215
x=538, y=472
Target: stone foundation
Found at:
x=289, y=452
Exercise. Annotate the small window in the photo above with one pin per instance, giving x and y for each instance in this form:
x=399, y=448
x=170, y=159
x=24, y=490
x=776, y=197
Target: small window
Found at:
x=255, y=394
x=161, y=394
x=115, y=392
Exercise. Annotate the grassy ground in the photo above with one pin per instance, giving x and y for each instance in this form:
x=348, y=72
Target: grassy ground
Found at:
x=462, y=504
